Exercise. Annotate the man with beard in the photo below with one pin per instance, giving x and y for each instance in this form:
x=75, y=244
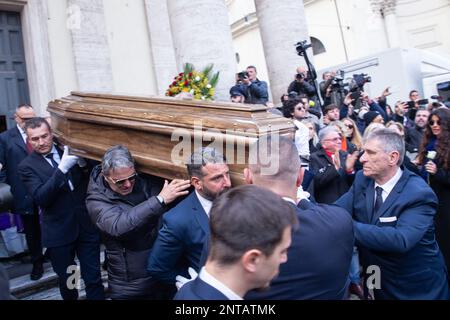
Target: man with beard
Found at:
x=414, y=135
x=185, y=228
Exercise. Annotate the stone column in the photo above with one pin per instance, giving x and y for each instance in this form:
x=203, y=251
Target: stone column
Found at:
x=390, y=22
x=202, y=35
x=385, y=9
x=282, y=24
x=37, y=55
x=163, y=53
x=90, y=46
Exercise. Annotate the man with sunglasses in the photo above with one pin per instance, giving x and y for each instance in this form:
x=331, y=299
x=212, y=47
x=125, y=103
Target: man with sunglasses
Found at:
x=13, y=149
x=57, y=183
x=127, y=207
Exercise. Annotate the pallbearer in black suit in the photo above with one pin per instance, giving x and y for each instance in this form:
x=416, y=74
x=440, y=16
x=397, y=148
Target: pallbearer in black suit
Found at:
x=250, y=232
x=321, y=251
x=57, y=183
x=13, y=149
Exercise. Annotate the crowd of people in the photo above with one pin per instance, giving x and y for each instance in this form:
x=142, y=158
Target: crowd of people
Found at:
x=359, y=185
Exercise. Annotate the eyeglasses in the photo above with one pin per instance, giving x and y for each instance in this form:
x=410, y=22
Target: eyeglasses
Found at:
x=350, y=126
x=121, y=182
x=334, y=139
x=432, y=122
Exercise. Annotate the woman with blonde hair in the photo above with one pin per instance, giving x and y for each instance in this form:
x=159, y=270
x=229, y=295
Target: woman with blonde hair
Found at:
x=353, y=132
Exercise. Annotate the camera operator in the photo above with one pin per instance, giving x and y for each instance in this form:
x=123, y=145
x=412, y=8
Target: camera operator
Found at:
x=254, y=89
x=302, y=84
x=332, y=88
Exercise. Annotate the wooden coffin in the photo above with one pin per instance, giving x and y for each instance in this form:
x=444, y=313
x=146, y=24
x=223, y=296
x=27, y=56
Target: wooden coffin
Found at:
x=161, y=132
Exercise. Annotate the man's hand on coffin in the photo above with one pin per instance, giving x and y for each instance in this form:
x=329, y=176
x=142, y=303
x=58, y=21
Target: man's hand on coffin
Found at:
x=67, y=161
x=175, y=189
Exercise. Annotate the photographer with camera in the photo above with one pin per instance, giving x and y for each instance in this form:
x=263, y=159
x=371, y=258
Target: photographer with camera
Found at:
x=333, y=89
x=302, y=85
x=254, y=89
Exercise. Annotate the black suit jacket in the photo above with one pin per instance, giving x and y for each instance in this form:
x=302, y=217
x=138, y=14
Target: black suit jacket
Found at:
x=199, y=290
x=64, y=211
x=12, y=152
x=318, y=259
x=328, y=183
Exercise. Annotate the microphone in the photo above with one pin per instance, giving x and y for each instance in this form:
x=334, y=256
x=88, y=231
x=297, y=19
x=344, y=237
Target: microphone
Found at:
x=435, y=97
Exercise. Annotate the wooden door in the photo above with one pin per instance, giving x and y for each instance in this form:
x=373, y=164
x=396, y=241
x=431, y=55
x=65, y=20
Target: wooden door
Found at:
x=13, y=75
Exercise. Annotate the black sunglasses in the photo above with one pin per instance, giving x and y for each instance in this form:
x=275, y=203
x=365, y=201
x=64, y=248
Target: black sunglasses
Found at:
x=432, y=122
x=350, y=126
x=121, y=182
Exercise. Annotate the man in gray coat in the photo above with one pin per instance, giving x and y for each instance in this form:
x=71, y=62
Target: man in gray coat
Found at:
x=127, y=208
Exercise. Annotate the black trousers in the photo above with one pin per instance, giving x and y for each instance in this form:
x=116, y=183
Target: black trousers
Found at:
x=62, y=258
x=32, y=229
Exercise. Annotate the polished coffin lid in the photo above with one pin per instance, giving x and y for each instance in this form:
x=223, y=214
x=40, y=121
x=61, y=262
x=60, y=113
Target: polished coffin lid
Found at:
x=162, y=132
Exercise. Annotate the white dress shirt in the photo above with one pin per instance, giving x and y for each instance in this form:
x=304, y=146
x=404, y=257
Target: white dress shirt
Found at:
x=206, y=204
x=388, y=186
x=213, y=282
x=301, y=138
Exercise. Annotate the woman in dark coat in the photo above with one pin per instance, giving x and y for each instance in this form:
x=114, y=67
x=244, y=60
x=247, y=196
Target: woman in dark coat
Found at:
x=434, y=156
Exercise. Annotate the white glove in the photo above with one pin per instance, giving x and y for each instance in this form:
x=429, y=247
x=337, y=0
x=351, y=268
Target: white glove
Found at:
x=67, y=161
x=181, y=281
x=302, y=195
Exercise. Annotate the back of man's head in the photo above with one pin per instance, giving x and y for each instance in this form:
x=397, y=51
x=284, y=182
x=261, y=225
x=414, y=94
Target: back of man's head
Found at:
x=245, y=218
x=274, y=159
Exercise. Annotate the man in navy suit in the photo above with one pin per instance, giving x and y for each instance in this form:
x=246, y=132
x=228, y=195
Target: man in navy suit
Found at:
x=13, y=149
x=321, y=250
x=185, y=228
x=250, y=235
x=393, y=211
x=58, y=184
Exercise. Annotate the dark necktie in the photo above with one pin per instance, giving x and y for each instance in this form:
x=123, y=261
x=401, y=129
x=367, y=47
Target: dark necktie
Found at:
x=52, y=160
x=378, y=199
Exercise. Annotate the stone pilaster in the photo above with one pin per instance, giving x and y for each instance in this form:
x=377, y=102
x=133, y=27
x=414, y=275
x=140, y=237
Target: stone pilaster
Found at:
x=282, y=24
x=37, y=55
x=161, y=42
x=202, y=35
x=90, y=47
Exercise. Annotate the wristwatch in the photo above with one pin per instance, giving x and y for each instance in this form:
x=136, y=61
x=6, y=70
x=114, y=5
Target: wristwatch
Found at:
x=160, y=200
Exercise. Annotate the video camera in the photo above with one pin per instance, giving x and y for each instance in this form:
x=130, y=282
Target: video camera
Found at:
x=242, y=75
x=360, y=80
x=337, y=82
x=301, y=47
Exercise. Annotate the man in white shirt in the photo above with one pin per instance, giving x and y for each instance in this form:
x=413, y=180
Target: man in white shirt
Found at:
x=250, y=234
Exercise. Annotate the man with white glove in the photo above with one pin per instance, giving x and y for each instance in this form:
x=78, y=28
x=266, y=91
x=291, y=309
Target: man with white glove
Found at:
x=181, y=281
x=67, y=161
x=59, y=187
